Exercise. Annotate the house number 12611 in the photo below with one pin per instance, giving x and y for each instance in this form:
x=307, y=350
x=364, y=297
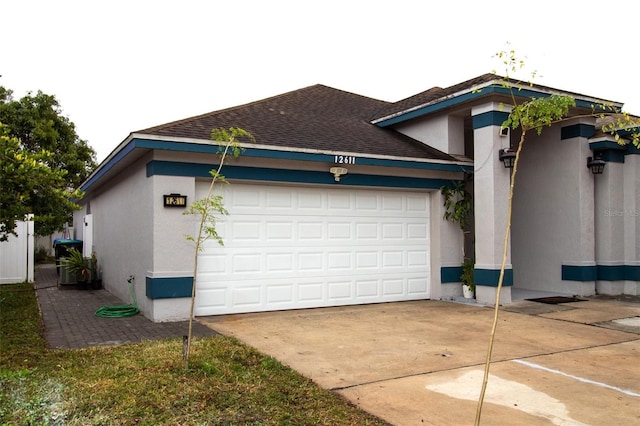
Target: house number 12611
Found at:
x=345, y=159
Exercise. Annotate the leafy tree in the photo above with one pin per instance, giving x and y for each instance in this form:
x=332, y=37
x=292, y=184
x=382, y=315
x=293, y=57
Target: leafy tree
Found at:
x=211, y=206
x=25, y=177
x=36, y=121
x=534, y=115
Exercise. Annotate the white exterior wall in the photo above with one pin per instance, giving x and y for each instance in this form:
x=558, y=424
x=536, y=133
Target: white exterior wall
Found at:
x=491, y=187
x=446, y=250
x=445, y=132
x=617, y=222
x=631, y=205
x=123, y=237
x=553, y=213
x=609, y=224
x=173, y=254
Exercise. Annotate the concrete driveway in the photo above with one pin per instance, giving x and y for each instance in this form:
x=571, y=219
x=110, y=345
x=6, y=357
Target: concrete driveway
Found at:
x=417, y=363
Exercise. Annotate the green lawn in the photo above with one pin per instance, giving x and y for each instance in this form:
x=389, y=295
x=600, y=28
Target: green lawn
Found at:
x=227, y=382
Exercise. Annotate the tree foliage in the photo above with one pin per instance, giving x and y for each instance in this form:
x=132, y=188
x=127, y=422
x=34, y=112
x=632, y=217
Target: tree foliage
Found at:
x=212, y=206
x=25, y=177
x=43, y=133
x=458, y=204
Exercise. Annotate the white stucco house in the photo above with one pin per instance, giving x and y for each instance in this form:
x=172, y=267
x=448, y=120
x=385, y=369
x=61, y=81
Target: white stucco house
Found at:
x=297, y=236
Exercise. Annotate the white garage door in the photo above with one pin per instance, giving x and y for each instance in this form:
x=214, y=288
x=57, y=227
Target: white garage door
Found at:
x=288, y=247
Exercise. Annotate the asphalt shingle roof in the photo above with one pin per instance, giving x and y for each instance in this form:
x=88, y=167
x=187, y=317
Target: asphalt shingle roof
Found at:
x=316, y=117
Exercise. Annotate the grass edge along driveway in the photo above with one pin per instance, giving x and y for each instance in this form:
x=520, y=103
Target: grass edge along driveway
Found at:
x=145, y=384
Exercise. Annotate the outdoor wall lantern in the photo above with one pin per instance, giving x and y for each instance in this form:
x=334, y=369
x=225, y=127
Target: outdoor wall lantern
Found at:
x=337, y=172
x=508, y=157
x=596, y=164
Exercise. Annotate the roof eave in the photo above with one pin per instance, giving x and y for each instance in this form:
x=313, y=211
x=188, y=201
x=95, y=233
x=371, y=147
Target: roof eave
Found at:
x=496, y=86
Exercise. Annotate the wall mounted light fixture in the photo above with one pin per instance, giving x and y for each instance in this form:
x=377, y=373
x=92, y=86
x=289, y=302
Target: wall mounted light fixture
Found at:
x=508, y=157
x=337, y=172
x=596, y=164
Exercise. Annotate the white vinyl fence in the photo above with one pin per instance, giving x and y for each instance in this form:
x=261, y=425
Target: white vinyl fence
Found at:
x=17, y=255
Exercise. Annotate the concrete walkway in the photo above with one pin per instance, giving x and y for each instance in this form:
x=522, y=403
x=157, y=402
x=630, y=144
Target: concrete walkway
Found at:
x=70, y=322
x=421, y=363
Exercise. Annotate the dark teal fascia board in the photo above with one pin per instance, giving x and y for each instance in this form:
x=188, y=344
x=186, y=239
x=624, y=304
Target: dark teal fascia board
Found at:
x=490, y=277
x=471, y=96
x=108, y=166
x=579, y=130
x=415, y=165
x=301, y=156
x=450, y=274
x=449, y=102
x=168, y=288
x=627, y=132
x=266, y=153
x=171, y=168
x=489, y=118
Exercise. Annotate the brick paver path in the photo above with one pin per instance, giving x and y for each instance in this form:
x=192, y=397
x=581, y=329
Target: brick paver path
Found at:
x=70, y=322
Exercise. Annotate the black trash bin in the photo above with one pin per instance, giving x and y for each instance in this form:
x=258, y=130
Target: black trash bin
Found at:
x=62, y=246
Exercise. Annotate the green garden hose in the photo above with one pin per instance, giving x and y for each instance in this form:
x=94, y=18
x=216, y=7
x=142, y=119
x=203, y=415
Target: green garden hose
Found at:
x=119, y=311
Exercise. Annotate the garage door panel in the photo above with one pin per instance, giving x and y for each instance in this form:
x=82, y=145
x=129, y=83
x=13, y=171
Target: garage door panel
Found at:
x=289, y=248
x=392, y=203
x=280, y=231
x=310, y=293
x=417, y=285
x=339, y=290
x=250, y=230
x=417, y=231
x=281, y=293
x=248, y=296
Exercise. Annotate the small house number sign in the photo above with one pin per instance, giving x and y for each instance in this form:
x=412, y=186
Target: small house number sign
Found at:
x=344, y=159
x=175, y=200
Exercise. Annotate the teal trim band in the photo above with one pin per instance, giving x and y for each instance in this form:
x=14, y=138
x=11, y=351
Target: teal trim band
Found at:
x=490, y=277
x=579, y=273
x=471, y=96
x=611, y=156
x=489, y=118
x=610, y=273
x=171, y=168
x=632, y=272
x=606, y=145
x=577, y=131
x=299, y=156
x=203, y=148
x=450, y=274
x=629, y=131
x=613, y=152
x=168, y=288
x=618, y=273
x=601, y=273
x=438, y=106
x=101, y=172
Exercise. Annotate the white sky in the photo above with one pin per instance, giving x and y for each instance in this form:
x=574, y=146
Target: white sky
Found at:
x=120, y=66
